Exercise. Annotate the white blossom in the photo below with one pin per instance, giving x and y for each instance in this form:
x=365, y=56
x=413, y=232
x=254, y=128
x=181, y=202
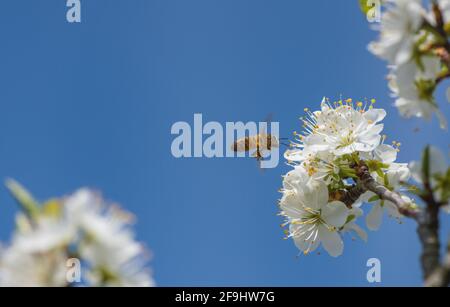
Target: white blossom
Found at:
x=341, y=128
x=22, y=268
x=37, y=255
x=413, y=86
x=398, y=31
x=82, y=225
x=109, y=244
x=325, y=155
x=312, y=219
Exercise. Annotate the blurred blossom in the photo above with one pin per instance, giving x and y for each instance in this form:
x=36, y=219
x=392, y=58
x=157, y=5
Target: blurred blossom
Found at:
x=415, y=47
x=398, y=31
x=80, y=226
x=414, y=87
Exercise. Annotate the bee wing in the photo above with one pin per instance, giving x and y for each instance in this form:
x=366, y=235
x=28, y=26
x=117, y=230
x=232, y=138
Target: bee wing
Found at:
x=274, y=142
x=253, y=142
x=262, y=139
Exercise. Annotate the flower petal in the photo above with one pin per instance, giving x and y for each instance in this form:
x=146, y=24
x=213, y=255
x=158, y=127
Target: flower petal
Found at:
x=374, y=218
x=392, y=210
x=358, y=230
x=335, y=213
x=416, y=171
x=386, y=153
x=331, y=241
x=375, y=115
x=304, y=245
x=438, y=162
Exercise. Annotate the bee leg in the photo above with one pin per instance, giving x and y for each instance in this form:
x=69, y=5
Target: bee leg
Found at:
x=261, y=169
x=259, y=156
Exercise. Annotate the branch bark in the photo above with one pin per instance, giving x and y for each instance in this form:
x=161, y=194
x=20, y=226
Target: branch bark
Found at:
x=441, y=275
x=370, y=184
x=428, y=231
x=351, y=195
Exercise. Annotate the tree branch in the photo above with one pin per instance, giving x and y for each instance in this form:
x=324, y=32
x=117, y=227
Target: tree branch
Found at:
x=350, y=196
x=441, y=276
x=370, y=184
x=428, y=231
x=434, y=273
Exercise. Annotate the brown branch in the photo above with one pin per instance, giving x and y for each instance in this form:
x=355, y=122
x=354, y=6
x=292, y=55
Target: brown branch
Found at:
x=370, y=184
x=350, y=196
x=428, y=231
x=434, y=273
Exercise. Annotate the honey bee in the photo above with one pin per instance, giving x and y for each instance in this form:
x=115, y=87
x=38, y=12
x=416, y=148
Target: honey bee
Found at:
x=260, y=143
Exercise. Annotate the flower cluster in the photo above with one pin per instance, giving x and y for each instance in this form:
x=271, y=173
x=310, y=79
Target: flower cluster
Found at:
x=82, y=227
x=414, y=42
x=323, y=193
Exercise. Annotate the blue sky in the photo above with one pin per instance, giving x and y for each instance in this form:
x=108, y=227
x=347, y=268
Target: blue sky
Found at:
x=92, y=104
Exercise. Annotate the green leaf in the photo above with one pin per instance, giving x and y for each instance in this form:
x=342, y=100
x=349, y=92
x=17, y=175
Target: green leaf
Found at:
x=413, y=189
x=426, y=90
x=376, y=166
x=380, y=173
x=386, y=181
x=23, y=198
x=447, y=28
x=372, y=165
x=350, y=218
x=373, y=198
x=446, y=187
x=426, y=164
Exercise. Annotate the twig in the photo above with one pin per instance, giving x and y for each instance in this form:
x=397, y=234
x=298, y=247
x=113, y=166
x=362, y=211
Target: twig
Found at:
x=350, y=196
x=370, y=184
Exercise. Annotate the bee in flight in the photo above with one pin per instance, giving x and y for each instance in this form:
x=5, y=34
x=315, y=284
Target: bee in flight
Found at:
x=260, y=144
